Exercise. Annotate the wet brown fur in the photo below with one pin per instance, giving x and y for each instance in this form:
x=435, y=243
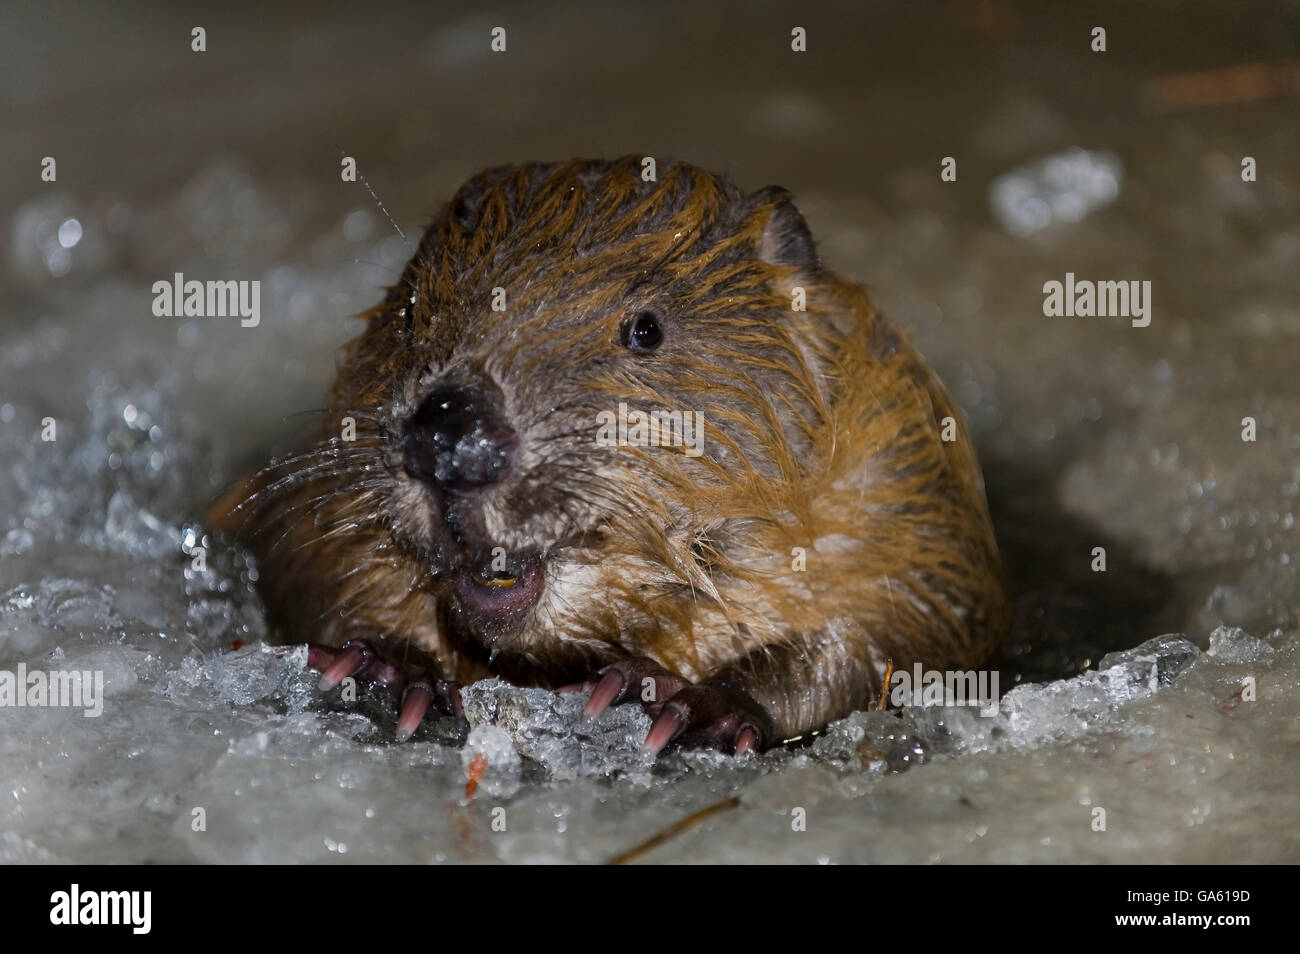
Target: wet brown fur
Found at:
x=821, y=432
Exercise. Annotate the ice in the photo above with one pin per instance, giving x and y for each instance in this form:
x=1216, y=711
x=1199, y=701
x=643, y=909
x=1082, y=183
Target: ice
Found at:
x=257, y=672
x=880, y=742
x=54, y=607
x=1133, y=673
x=1061, y=188
x=1232, y=644
x=490, y=754
x=550, y=729
x=1033, y=715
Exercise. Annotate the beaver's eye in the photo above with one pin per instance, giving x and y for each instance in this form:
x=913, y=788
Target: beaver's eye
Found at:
x=643, y=333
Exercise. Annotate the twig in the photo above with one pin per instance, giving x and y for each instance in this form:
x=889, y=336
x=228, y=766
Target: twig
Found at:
x=675, y=829
x=883, y=701
x=1242, y=83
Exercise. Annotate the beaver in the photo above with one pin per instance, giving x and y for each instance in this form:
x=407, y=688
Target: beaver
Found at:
x=469, y=508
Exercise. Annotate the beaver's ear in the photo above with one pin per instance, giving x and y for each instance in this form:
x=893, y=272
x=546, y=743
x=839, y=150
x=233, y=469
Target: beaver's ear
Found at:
x=465, y=206
x=786, y=239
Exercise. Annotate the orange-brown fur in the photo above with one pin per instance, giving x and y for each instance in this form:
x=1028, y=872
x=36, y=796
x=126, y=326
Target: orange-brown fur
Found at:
x=822, y=432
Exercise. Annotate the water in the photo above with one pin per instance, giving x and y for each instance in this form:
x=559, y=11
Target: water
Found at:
x=1161, y=691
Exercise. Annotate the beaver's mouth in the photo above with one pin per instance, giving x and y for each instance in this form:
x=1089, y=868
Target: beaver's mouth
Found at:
x=498, y=589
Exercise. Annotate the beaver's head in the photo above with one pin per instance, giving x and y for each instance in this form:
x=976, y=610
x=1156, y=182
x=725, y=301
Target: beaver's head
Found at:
x=581, y=374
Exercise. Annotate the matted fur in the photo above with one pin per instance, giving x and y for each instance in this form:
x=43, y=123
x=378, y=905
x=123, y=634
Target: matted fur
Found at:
x=821, y=432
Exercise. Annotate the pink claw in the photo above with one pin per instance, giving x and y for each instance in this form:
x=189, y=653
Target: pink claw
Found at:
x=319, y=657
x=746, y=740
x=345, y=664
x=415, y=703
x=606, y=691
x=665, y=728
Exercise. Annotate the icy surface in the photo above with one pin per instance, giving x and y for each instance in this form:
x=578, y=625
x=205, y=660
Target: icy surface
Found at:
x=214, y=746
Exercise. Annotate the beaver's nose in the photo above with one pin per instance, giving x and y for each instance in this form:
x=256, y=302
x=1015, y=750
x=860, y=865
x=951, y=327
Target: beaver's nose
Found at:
x=458, y=439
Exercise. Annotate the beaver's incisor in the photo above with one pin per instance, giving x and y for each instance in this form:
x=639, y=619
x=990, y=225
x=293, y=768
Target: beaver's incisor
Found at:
x=745, y=589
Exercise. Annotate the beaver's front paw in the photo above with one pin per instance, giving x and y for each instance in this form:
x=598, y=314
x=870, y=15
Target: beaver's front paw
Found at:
x=712, y=715
x=413, y=687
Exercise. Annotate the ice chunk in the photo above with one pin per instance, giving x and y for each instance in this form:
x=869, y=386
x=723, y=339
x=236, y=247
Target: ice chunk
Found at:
x=1068, y=708
x=1145, y=668
x=549, y=728
x=1064, y=187
x=1231, y=644
x=878, y=742
x=1033, y=715
x=256, y=672
x=489, y=758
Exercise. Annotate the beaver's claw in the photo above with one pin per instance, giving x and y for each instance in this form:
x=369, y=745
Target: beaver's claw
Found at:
x=635, y=678
x=712, y=716
x=708, y=714
x=413, y=688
